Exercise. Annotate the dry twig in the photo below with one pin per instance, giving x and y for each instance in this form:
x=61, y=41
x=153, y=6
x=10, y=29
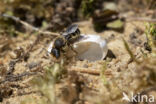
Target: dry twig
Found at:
x=11, y=78
x=85, y=70
x=11, y=67
x=129, y=19
x=27, y=25
x=89, y=71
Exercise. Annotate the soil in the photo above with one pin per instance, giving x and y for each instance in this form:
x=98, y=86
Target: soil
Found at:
x=121, y=66
x=25, y=56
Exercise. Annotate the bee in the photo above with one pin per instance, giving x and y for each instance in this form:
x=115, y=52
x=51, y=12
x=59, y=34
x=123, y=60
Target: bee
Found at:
x=65, y=40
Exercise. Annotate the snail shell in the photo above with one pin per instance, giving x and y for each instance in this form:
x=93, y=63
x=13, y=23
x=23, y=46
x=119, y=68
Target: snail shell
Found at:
x=91, y=47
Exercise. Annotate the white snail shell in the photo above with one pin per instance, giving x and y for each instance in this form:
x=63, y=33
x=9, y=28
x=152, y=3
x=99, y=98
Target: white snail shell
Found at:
x=91, y=47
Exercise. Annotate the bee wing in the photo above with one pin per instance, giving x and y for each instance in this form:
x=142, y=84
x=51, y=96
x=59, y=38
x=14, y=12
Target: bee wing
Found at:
x=72, y=28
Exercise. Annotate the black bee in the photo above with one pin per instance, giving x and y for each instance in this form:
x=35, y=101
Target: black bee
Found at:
x=65, y=40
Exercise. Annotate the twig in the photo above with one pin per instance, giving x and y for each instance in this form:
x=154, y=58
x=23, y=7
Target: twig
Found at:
x=89, y=71
x=27, y=25
x=85, y=70
x=11, y=67
x=129, y=19
x=25, y=93
x=10, y=78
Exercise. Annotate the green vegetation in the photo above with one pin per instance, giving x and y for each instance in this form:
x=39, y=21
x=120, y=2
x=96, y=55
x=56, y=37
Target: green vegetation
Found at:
x=45, y=85
x=88, y=7
x=102, y=74
x=151, y=37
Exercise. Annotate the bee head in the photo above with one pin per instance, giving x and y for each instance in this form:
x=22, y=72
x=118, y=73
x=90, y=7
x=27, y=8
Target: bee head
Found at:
x=55, y=52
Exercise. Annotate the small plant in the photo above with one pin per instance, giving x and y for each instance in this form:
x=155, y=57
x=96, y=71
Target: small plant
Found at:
x=129, y=51
x=151, y=36
x=45, y=85
x=102, y=74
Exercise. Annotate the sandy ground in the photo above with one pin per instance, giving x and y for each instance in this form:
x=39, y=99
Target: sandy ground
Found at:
x=121, y=72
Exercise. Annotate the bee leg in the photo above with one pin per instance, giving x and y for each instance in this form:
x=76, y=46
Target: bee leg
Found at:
x=62, y=51
x=73, y=50
x=73, y=59
x=78, y=31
